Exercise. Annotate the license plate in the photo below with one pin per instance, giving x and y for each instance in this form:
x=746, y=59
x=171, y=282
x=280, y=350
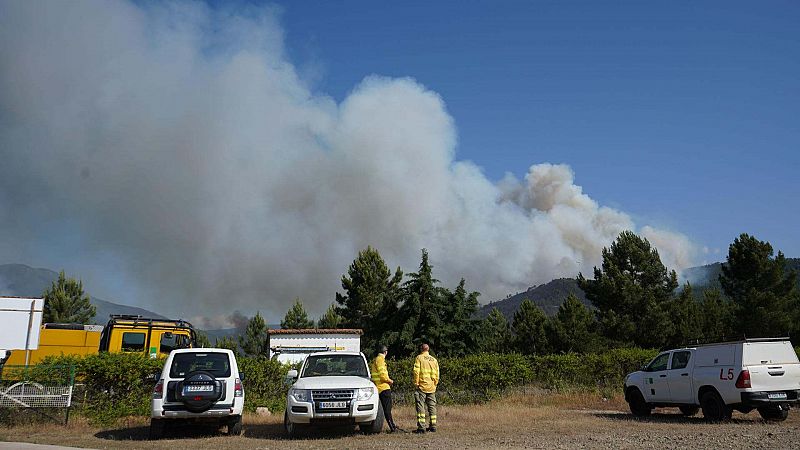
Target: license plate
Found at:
x=206, y=388
x=777, y=395
x=332, y=405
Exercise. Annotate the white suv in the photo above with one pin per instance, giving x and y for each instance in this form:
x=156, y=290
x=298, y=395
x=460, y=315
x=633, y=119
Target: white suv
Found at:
x=199, y=384
x=333, y=388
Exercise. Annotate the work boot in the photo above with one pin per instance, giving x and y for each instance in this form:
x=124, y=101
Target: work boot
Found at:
x=419, y=430
x=432, y=429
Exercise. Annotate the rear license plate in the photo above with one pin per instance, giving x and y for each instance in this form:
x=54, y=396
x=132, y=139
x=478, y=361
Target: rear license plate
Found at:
x=777, y=395
x=332, y=405
x=206, y=388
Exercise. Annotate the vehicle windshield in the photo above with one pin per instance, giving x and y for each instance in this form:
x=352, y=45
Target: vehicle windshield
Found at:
x=335, y=365
x=214, y=363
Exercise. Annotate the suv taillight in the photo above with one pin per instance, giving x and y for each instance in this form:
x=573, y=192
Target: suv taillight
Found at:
x=743, y=382
x=158, y=391
x=238, y=391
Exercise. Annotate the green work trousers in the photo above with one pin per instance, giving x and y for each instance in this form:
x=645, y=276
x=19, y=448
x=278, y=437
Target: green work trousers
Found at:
x=425, y=402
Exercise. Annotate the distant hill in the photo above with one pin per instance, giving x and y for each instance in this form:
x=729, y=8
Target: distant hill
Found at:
x=548, y=296
x=705, y=277
x=19, y=280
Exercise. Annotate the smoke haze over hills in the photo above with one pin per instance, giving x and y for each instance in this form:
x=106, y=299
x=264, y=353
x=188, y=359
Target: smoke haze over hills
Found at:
x=171, y=156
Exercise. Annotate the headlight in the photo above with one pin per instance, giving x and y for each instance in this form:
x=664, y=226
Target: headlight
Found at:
x=301, y=395
x=365, y=393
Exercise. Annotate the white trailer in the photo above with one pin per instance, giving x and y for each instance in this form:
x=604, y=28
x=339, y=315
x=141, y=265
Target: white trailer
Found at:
x=21, y=318
x=292, y=346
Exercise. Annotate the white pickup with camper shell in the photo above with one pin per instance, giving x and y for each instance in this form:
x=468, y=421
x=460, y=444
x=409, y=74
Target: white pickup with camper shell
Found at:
x=762, y=374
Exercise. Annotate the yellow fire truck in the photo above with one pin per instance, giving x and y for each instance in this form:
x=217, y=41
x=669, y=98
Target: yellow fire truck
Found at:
x=122, y=333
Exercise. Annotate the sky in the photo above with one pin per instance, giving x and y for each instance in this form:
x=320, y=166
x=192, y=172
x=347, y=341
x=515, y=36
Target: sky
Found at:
x=203, y=158
x=683, y=113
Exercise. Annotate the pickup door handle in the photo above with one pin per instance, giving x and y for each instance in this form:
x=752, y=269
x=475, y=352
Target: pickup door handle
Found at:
x=684, y=374
x=662, y=376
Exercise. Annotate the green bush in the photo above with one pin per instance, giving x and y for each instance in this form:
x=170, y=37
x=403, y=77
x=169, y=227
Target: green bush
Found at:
x=116, y=385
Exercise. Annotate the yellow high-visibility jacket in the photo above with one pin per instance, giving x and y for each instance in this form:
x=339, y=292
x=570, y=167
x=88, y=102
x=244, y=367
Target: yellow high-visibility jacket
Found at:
x=426, y=373
x=380, y=374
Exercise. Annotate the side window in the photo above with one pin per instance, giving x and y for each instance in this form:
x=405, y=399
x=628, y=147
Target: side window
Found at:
x=658, y=364
x=680, y=360
x=133, y=342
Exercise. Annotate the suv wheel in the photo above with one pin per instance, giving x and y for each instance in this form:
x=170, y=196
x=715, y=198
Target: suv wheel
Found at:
x=376, y=425
x=157, y=428
x=292, y=429
x=235, y=426
x=714, y=408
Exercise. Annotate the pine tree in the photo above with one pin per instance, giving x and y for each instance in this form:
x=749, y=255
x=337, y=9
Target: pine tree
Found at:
x=717, y=314
x=460, y=329
x=254, y=341
x=330, y=320
x=687, y=318
x=66, y=302
x=370, y=298
x=422, y=311
x=296, y=317
x=201, y=341
x=763, y=292
x=632, y=293
x=529, y=329
x=495, y=333
x=573, y=329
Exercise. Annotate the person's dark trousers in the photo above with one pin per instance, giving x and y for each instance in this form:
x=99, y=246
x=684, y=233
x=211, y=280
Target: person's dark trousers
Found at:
x=386, y=402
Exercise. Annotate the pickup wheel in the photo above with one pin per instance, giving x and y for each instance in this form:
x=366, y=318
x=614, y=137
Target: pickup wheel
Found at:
x=639, y=407
x=714, y=408
x=689, y=410
x=775, y=413
x=376, y=426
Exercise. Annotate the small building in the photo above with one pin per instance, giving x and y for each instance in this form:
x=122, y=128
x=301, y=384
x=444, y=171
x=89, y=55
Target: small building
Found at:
x=293, y=345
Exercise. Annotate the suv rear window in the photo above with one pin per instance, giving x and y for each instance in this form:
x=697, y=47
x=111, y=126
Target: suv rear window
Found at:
x=214, y=363
x=333, y=365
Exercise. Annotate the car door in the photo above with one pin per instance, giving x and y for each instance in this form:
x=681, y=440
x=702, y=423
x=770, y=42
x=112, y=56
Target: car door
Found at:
x=656, y=386
x=679, y=377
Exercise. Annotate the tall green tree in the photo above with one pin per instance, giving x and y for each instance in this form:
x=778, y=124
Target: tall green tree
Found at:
x=296, y=317
x=687, y=318
x=495, y=333
x=529, y=329
x=460, y=328
x=632, y=291
x=573, y=329
x=254, y=340
x=717, y=315
x=370, y=298
x=330, y=320
x=422, y=312
x=763, y=291
x=66, y=302
x=202, y=340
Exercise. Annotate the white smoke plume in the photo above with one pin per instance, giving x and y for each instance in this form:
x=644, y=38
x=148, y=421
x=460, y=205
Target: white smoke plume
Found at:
x=171, y=156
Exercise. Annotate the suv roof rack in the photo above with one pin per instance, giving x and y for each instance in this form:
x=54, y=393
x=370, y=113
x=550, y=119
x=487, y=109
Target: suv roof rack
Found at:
x=735, y=340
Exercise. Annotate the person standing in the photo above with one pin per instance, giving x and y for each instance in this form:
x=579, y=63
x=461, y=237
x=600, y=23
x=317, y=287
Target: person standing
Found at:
x=380, y=376
x=426, y=378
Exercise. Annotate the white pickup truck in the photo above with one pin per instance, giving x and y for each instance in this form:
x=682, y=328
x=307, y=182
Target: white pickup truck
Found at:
x=761, y=374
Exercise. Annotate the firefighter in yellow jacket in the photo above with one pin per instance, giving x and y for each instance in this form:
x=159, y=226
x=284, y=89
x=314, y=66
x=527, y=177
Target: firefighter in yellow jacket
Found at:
x=426, y=378
x=380, y=376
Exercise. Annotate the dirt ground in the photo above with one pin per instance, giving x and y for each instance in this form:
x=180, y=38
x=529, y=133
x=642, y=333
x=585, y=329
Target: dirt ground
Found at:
x=522, y=421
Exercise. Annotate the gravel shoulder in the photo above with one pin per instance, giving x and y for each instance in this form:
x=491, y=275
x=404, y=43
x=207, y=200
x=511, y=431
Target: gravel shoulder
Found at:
x=524, y=421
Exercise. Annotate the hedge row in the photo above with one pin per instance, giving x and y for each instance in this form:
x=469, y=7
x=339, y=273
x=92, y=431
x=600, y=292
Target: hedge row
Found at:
x=115, y=385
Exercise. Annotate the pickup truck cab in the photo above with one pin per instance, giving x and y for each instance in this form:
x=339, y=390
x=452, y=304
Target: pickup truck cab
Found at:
x=762, y=374
x=332, y=388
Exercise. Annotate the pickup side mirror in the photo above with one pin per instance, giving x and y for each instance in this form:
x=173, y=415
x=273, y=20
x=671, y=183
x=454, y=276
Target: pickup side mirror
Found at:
x=644, y=368
x=156, y=376
x=241, y=376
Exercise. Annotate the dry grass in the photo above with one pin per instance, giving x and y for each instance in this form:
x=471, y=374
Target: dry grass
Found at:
x=533, y=419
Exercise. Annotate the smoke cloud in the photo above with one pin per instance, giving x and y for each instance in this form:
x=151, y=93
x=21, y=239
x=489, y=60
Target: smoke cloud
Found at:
x=172, y=157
